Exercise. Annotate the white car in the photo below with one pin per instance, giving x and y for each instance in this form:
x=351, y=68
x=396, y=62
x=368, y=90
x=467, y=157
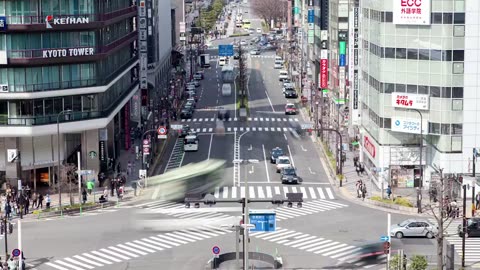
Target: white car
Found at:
x=255, y=52
x=222, y=61
x=243, y=43
x=283, y=162
x=283, y=75
x=259, y=30
x=278, y=65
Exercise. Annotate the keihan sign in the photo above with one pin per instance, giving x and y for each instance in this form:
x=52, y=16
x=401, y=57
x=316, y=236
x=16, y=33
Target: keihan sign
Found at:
x=51, y=20
x=54, y=53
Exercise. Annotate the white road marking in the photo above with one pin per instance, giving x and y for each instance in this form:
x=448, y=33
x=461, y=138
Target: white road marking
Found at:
x=78, y=263
x=271, y=105
x=217, y=192
x=291, y=157
x=56, y=266
x=210, y=146
x=242, y=192
x=277, y=190
x=312, y=193
x=285, y=136
x=225, y=192
x=265, y=161
x=88, y=261
x=234, y=192
x=269, y=192
x=255, y=119
x=261, y=194
x=310, y=170
x=329, y=193
x=320, y=192
x=96, y=258
x=251, y=192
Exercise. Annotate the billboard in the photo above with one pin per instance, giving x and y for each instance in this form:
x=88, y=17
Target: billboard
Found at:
x=410, y=101
x=323, y=73
x=412, y=12
x=409, y=125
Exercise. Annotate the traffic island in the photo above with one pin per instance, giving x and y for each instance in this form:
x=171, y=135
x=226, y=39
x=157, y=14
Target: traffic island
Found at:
x=275, y=261
x=71, y=210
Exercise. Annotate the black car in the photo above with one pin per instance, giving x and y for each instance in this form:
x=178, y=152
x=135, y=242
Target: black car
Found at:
x=186, y=113
x=184, y=131
x=291, y=93
x=275, y=153
x=289, y=175
x=473, y=228
x=236, y=56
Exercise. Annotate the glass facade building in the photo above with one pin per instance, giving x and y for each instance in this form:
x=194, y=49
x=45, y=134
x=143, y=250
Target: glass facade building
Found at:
x=78, y=56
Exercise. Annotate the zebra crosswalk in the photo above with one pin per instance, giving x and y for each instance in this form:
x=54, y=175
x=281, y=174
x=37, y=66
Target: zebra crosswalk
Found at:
x=133, y=249
x=313, y=244
x=255, y=119
x=267, y=191
x=472, y=245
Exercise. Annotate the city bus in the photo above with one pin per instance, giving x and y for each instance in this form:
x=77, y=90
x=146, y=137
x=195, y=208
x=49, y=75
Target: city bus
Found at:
x=246, y=24
x=190, y=143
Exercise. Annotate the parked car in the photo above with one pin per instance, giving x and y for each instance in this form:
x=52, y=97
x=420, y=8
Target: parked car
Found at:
x=255, y=52
x=290, y=109
x=472, y=230
x=278, y=65
x=184, y=131
x=275, y=153
x=196, y=83
x=414, y=227
x=259, y=30
x=283, y=162
x=283, y=75
x=289, y=176
x=186, y=113
x=198, y=75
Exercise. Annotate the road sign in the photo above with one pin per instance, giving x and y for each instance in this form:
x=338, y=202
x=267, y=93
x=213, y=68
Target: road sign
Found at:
x=216, y=250
x=146, y=150
x=162, y=130
x=16, y=252
x=307, y=126
x=225, y=50
x=142, y=173
x=146, y=142
x=384, y=238
x=264, y=220
x=176, y=127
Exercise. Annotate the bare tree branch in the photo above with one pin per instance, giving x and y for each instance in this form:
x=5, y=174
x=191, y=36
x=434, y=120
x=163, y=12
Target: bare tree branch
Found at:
x=270, y=10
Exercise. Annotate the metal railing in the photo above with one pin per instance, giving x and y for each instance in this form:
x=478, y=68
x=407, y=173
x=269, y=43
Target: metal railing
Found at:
x=40, y=19
x=22, y=88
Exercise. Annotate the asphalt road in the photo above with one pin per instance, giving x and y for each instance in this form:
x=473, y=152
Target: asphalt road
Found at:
x=325, y=233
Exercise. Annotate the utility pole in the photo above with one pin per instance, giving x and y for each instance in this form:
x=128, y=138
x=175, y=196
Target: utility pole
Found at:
x=464, y=222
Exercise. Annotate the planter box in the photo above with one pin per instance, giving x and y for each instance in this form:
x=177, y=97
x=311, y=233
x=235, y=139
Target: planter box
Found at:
x=76, y=210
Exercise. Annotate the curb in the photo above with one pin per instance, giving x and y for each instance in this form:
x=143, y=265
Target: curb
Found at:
x=73, y=211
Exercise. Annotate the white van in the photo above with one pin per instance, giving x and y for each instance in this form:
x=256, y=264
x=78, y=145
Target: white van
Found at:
x=222, y=61
x=283, y=75
x=226, y=90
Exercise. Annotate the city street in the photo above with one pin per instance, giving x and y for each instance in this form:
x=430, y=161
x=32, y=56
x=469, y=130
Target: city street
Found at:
x=327, y=232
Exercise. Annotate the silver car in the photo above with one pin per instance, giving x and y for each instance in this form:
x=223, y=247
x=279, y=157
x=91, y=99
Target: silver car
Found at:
x=414, y=227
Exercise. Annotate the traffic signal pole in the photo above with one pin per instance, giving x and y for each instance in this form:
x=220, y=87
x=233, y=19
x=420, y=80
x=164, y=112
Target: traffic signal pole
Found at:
x=389, y=224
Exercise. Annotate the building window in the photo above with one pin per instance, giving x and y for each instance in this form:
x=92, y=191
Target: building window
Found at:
x=457, y=68
x=389, y=52
x=457, y=129
x=456, y=143
x=446, y=92
x=411, y=88
x=447, y=18
x=412, y=54
x=434, y=128
x=424, y=54
x=457, y=104
x=423, y=89
x=387, y=122
x=400, y=88
x=457, y=92
x=459, y=30
x=458, y=55
x=436, y=18
x=445, y=129
x=389, y=16
x=459, y=18
x=400, y=53
x=434, y=91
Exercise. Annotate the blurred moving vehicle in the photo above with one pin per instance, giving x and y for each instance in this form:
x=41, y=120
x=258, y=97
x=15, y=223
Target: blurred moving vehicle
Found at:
x=371, y=253
x=290, y=93
x=414, y=227
x=255, y=52
x=472, y=230
x=283, y=162
x=195, y=178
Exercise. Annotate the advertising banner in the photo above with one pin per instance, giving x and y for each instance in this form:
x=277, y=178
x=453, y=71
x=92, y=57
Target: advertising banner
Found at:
x=409, y=125
x=323, y=73
x=412, y=12
x=410, y=101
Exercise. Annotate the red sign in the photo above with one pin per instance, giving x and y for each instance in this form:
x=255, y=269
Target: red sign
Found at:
x=369, y=146
x=407, y=100
x=146, y=150
x=323, y=73
x=162, y=131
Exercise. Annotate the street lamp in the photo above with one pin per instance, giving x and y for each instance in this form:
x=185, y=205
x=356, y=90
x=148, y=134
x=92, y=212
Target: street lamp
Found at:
x=58, y=169
x=246, y=220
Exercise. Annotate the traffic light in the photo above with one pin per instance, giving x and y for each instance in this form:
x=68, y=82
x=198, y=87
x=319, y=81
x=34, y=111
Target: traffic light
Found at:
x=386, y=247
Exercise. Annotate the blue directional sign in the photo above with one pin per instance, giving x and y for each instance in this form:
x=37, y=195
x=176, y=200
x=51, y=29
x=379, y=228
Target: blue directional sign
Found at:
x=311, y=16
x=225, y=50
x=264, y=220
x=3, y=23
x=343, y=60
x=385, y=238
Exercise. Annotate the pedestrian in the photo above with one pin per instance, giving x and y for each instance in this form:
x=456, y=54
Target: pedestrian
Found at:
x=129, y=168
x=454, y=209
x=90, y=186
x=40, y=201
x=8, y=210
x=105, y=193
x=357, y=169
x=118, y=167
x=364, y=192
x=27, y=205
x=477, y=200
x=34, y=199
x=48, y=201
x=112, y=187
x=12, y=265
x=134, y=186
x=355, y=161
x=84, y=196
x=389, y=191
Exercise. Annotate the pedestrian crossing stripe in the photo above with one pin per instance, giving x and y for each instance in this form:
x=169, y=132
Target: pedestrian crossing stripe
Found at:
x=135, y=249
x=255, y=119
x=472, y=245
x=265, y=192
x=313, y=244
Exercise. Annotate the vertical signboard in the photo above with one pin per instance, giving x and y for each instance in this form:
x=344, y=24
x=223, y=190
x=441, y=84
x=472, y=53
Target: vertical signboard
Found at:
x=412, y=12
x=142, y=44
x=353, y=64
x=324, y=69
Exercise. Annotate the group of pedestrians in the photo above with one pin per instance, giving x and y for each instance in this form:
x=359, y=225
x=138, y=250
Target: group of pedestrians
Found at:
x=22, y=203
x=359, y=167
x=361, y=189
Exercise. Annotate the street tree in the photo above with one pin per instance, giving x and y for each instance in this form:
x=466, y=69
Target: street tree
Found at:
x=269, y=10
x=438, y=210
x=242, y=75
